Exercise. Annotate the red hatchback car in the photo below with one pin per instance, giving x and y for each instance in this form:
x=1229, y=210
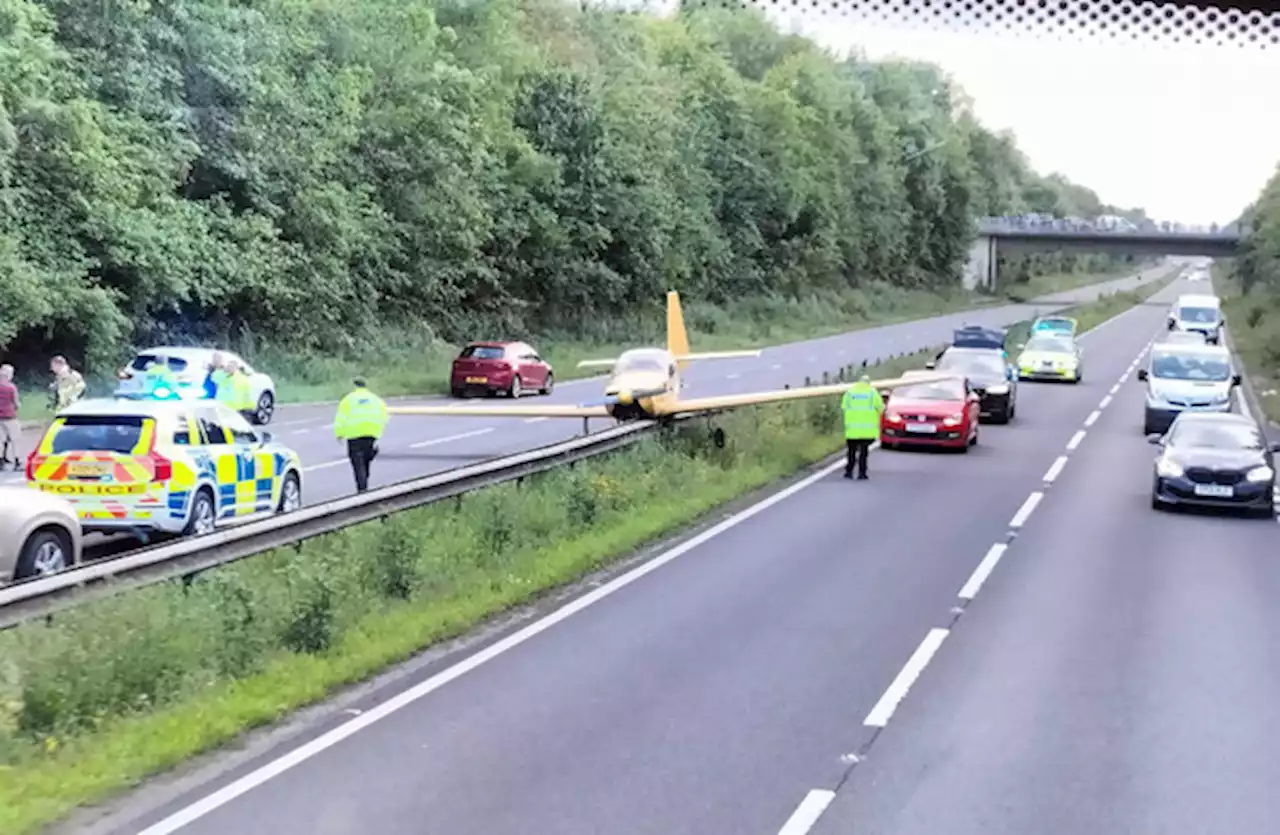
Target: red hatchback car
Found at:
x=512, y=368
x=939, y=413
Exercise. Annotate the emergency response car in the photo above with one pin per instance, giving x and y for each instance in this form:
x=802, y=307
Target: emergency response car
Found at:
x=189, y=367
x=163, y=466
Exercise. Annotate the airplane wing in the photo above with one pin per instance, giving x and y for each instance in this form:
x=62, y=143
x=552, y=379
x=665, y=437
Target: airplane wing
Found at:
x=733, y=401
x=502, y=411
x=609, y=363
x=716, y=355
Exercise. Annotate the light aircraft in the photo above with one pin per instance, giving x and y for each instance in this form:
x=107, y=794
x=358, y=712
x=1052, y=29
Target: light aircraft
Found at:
x=645, y=384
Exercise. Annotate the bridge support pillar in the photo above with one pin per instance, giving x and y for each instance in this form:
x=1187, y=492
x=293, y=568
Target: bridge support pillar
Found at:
x=980, y=272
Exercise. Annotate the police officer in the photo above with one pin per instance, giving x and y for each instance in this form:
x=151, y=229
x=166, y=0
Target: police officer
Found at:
x=160, y=381
x=234, y=389
x=362, y=415
x=862, y=406
x=67, y=386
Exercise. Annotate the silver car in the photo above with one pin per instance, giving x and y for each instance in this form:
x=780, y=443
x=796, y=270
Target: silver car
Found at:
x=190, y=367
x=1186, y=378
x=39, y=534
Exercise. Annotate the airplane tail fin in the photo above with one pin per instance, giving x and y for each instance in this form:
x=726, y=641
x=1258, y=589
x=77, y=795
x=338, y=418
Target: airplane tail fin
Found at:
x=677, y=337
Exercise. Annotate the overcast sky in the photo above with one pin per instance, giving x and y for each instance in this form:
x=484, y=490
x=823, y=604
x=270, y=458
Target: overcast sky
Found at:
x=1188, y=133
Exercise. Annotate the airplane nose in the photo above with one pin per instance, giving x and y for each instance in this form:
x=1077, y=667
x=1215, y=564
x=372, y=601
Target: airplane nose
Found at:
x=625, y=398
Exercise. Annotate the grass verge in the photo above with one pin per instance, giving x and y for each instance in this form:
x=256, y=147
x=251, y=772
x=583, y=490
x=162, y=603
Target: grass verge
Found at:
x=1253, y=320
x=122, y=688
x=413, y=361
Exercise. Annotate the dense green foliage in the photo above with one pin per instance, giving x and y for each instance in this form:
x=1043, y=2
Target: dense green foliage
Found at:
x=311, y=173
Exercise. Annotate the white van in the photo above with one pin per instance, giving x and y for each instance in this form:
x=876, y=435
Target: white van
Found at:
x=1202, y=314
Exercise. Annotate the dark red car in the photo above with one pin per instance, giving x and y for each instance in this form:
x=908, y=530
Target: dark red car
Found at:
x=512, y=368
x=938, y=413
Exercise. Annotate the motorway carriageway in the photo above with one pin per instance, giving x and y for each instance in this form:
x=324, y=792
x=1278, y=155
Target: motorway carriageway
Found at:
x=413, y=447
x=1077, y=663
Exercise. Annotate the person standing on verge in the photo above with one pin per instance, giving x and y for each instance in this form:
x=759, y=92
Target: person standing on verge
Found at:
x=10, y=429
x=67, y=386
x=362, y=415
x=862, y=406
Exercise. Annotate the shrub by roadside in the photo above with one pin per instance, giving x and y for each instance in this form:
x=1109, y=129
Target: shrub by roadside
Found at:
x=121, y=688
x=1253, y=323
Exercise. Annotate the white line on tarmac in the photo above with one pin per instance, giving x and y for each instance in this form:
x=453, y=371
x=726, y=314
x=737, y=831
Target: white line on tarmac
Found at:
x=1076, y=439
x=1092, y=418
x=1105, y=402
x=775, y=366
x=325, y=465
x=732, y=376
x=447, y=438
x=536, y=419
x=1054, y=469
x=1020, y=518
x=1242, y=404
x=883, y=710
x=301, y=754
x=983, y=571
x=808, y=812
x=1114, y=389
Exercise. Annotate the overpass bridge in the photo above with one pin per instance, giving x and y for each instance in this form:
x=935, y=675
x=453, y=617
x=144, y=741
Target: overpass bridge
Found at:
x=997, y=235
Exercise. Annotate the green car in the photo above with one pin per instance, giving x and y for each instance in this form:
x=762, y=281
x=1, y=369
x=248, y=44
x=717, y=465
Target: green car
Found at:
x=1051, y=356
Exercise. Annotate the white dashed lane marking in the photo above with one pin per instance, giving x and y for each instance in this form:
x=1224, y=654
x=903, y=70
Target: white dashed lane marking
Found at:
x=1076, y=439
x=808, y=812
x=1092, y=418
x=448, y=438
x=1114, y=389
x=1028, y=507
x=1105, y=402
x=983, y=571
x=884, y=709
x=1055, y=469
x=536, y=419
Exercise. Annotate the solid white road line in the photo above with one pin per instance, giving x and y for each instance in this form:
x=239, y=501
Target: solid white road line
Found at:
x=446, y=439
x=1076, y=439
x=1055, y=468
x=1105, y=402
x=1242, y=404
x=732, y=376
x=808, y=812
x=883, y=710
x=1092, y=418
x=402, y=700
x=1028, y=507
x=983, y=571
x=536, y=419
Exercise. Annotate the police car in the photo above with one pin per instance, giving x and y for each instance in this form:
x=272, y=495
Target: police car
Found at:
x=142, y=466
x=190, y=366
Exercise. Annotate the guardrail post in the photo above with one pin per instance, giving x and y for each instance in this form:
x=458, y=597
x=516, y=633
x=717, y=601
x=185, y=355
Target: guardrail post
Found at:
x=826, y=378
x=585, y=426
x=807, y=381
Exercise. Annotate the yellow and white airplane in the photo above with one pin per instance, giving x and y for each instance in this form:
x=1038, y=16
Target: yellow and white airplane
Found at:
x=645, y=385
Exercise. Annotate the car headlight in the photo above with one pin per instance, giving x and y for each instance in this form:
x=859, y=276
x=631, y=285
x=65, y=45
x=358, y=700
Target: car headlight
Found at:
x=892, y=417
x=953, y=420
x=1261, y=474
x=1168, y=468
x=1220, y=397
x=998, y=388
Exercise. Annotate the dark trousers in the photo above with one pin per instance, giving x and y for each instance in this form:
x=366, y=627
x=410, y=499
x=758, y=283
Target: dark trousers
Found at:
x=361, y=451
x=856, y=450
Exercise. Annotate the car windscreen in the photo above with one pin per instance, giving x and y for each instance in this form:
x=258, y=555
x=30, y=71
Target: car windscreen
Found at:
x=1055, y=325
x=1050, y=344
x=937, y=390
x=1200, y=315
x=141, y=361
x=481, y=352
x=98, y=433
x=1171, y=365
x=1216, y=435
x=973, y=365
x=641, y=362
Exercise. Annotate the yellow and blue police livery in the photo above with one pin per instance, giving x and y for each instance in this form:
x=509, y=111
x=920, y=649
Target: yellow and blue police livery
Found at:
x=163, y=466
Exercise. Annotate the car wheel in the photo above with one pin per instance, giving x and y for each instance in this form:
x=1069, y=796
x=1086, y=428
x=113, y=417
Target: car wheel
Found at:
x=550, y=385
x=1156, y=504
x=290, y=494
x=203, y=517
x=515, y=391
x=266, y=408
x=46, y=552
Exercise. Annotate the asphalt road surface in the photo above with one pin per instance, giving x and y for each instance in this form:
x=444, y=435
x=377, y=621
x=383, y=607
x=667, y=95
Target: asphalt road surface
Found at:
x=418, y=446
x=1109, y=672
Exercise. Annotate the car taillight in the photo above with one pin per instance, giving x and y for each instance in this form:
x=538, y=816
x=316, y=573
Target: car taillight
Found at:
x=162, y=468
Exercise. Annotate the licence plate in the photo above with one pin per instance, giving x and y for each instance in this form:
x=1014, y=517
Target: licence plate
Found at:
x=1217, y=491
x=477, y=379
x=87, y=469
x=923, y=428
